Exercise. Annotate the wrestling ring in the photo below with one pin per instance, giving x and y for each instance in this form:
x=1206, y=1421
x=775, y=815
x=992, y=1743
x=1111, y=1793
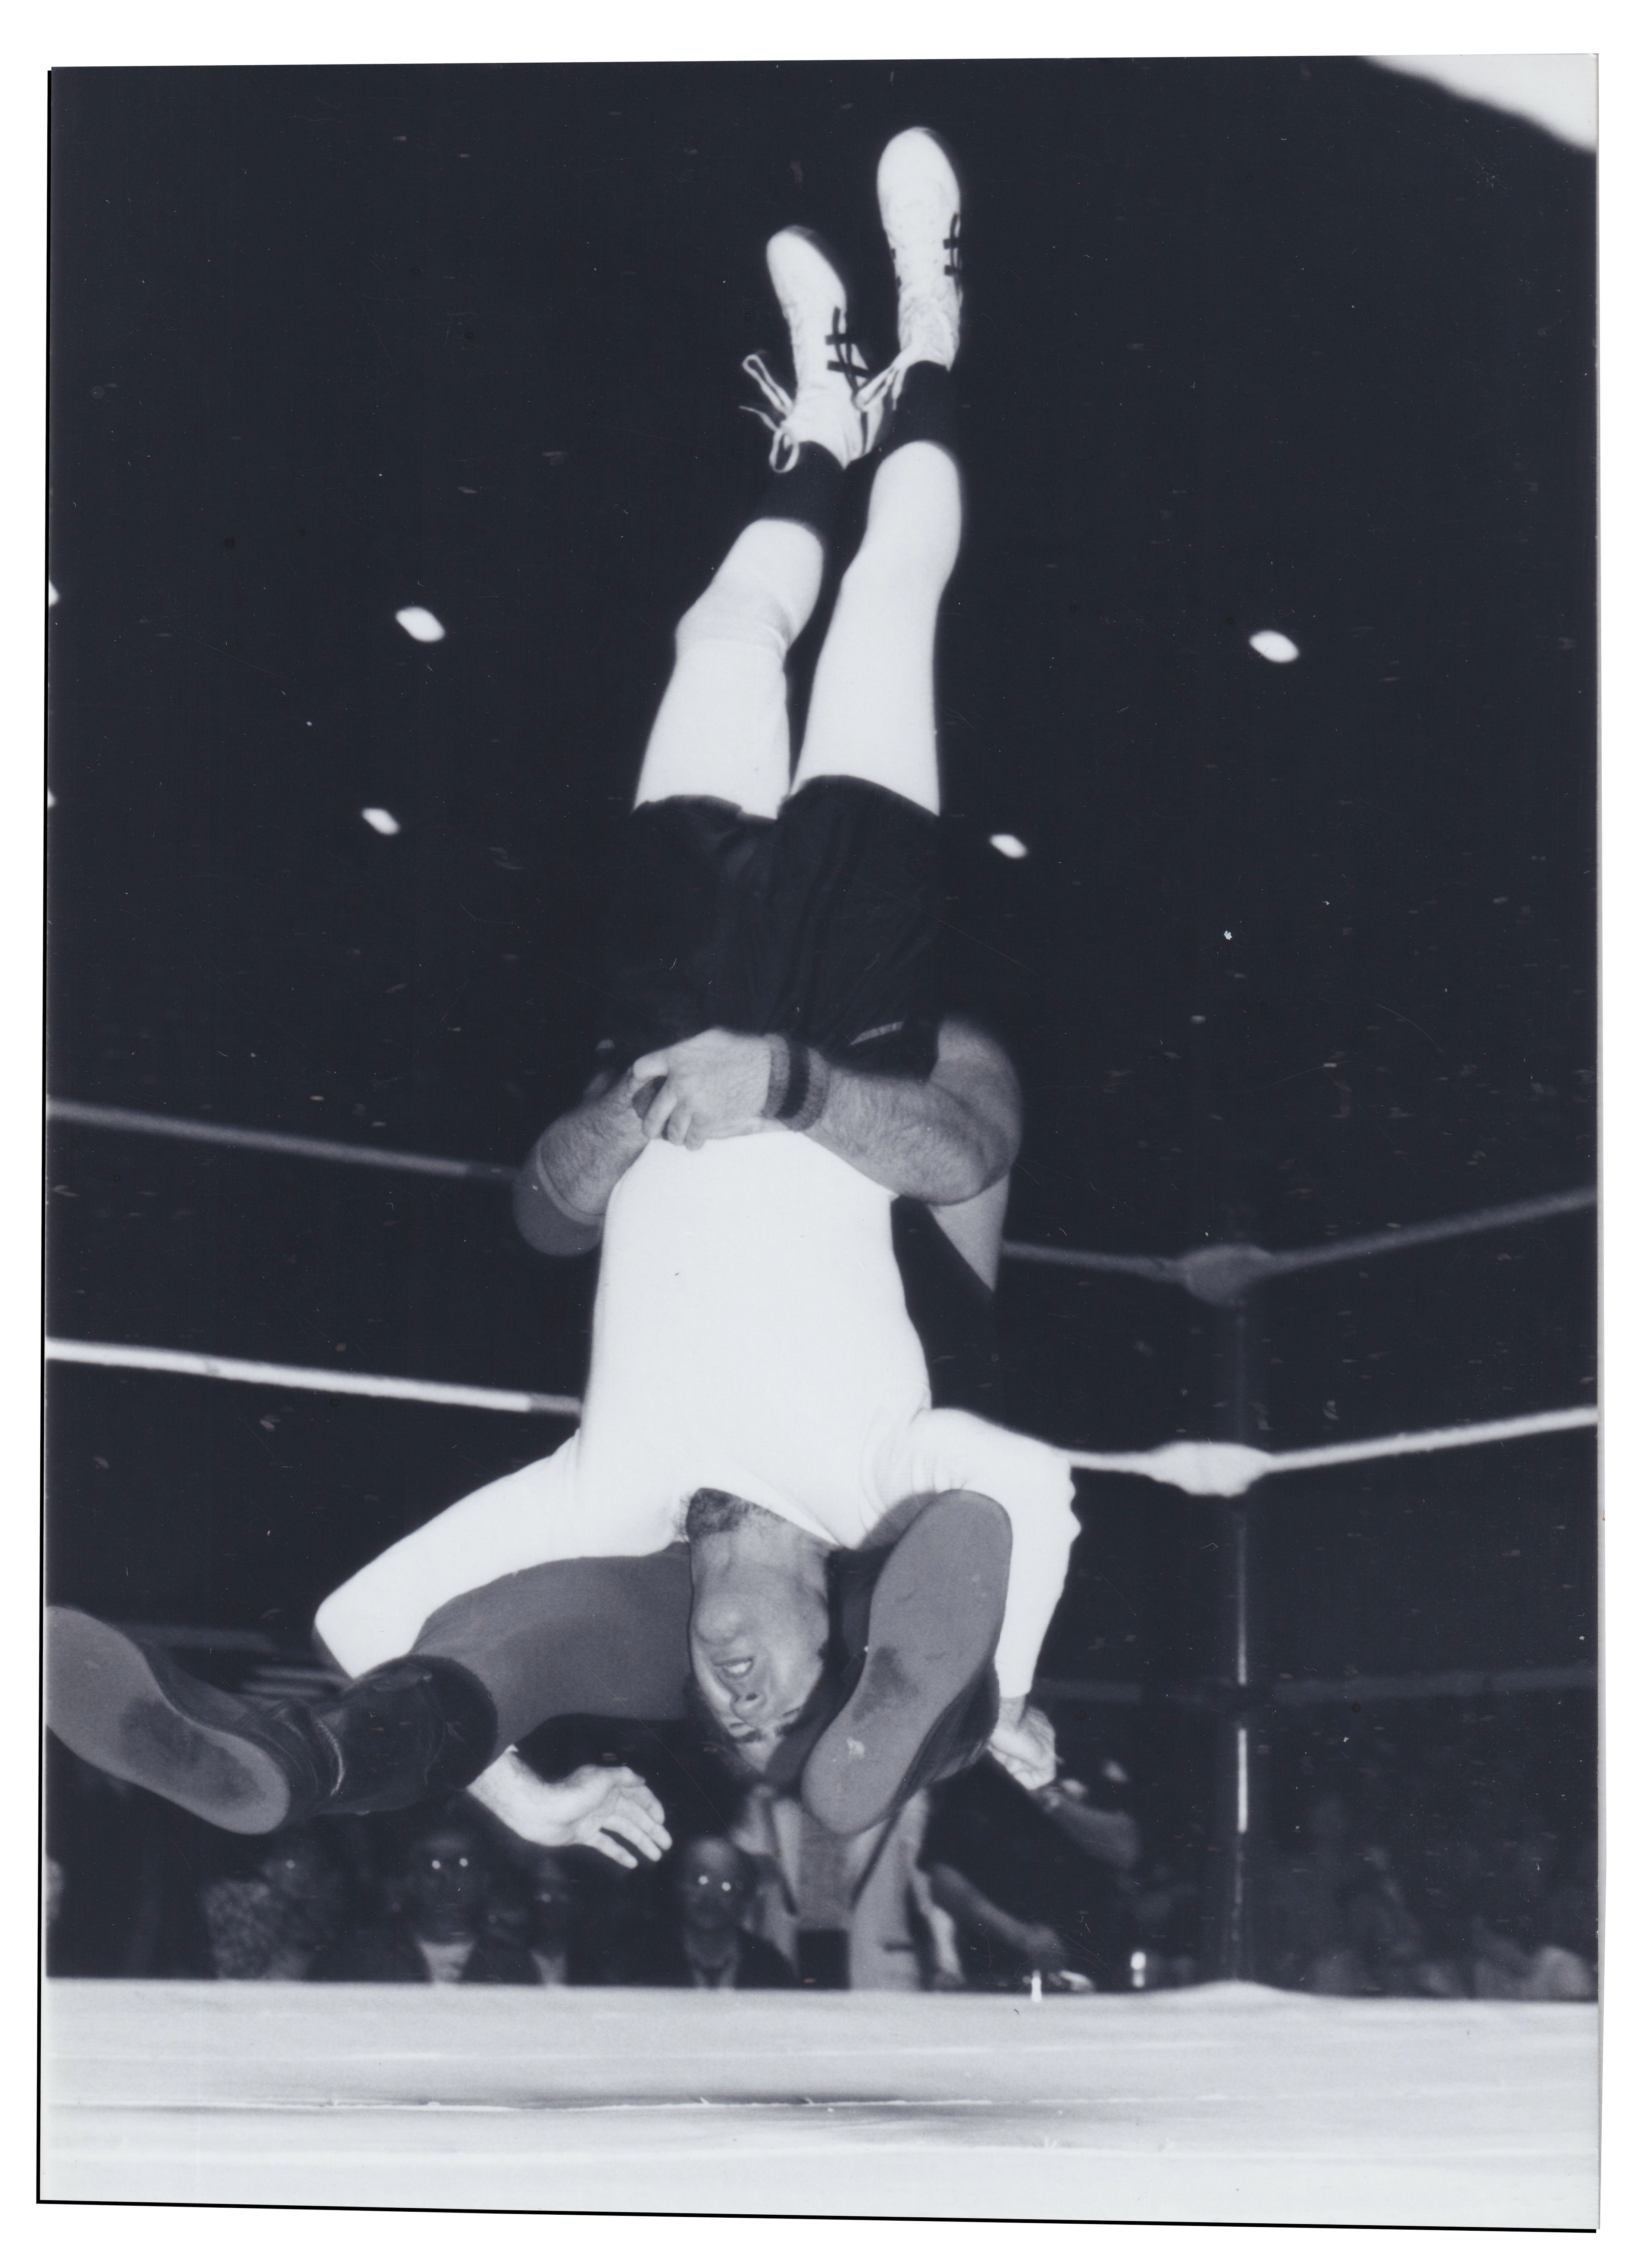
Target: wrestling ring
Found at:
x=1228, y=2102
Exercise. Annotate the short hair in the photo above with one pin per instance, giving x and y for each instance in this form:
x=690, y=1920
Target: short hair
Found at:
x=710, y=1511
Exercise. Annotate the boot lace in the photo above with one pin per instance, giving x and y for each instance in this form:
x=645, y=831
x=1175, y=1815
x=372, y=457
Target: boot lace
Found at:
x=784, y=445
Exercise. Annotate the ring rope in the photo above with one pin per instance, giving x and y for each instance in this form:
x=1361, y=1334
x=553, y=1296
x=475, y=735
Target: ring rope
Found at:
x=1217, y=1273
x=287, y=1377
x=264, y=1139
x=1229, y=1468
x=1225, y=1468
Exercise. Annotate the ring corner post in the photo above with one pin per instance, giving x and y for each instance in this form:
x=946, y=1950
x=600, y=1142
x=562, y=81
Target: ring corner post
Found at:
x=1233, y=1926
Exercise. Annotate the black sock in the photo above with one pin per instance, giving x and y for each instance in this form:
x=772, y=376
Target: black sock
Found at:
x=808, y=492
x=472, y=1721
x=926, y=409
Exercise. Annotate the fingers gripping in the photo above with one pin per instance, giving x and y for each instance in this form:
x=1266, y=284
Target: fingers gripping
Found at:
x=711, y=1085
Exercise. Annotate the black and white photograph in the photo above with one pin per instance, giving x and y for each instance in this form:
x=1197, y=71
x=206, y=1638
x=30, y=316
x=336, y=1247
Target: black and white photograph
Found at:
x=821, y=1135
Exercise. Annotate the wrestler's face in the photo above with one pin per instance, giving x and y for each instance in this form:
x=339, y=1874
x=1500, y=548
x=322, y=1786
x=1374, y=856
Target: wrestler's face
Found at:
x=757, y=1644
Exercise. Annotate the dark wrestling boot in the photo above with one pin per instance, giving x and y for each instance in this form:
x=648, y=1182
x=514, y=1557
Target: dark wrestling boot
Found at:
x=926, y=1701
x=407, y=1729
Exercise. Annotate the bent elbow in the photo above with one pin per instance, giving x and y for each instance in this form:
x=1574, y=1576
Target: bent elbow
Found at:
x=543, y=1223
x=995, y=1154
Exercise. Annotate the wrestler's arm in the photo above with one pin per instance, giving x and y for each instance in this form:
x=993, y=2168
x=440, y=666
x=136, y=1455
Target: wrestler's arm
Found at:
x=949, y=1140
x=610, y=1809
x=944, y=1140
x=563, y=1191
x=1107, y=1836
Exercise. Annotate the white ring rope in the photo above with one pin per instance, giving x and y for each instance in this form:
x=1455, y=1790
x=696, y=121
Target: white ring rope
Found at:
x=265, y=1138
x=1229, y=1467
x=1219, y=1273
x=286, y=1377
x=1196, y=1467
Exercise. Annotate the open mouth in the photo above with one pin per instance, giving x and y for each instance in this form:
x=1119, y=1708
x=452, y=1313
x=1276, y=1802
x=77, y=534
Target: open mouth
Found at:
x=747, y=1734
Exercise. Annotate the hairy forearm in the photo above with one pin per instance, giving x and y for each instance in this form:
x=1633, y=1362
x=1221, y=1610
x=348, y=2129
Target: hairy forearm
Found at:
x=563, y=1191
x=945, y=1139
x=915, y=1137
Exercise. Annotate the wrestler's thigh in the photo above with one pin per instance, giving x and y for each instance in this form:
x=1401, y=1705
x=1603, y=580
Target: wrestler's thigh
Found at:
x=512, y=1523
x=579, y=1636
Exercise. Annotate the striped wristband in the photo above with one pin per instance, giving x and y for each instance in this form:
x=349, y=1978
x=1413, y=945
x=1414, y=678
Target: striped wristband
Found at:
x=798, y=1084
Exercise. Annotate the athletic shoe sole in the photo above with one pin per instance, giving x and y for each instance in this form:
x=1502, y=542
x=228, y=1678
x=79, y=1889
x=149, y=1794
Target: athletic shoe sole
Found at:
x=935, y=1616
x=129, y=1712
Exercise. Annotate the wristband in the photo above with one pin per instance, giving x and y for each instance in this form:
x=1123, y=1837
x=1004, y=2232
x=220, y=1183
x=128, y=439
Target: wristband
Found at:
x=779, y=1075
x=806, y=1097
x=798, y=1080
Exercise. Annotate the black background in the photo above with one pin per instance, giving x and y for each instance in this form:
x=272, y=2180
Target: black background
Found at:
x=1295, y=950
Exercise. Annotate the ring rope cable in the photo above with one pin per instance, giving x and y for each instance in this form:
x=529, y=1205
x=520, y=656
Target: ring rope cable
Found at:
x=1224, y=1468
x=1218, y=1272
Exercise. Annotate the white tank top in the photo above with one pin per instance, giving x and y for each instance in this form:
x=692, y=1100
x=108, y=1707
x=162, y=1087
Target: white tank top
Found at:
x=751, y=1332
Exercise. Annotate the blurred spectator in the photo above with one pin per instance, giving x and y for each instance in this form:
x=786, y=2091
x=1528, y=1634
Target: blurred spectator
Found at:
x=620, y=1921
x=1163, y=1912
x=1033, y=1880
x=135, y=1868
x=507, y=1913
x=847, y=1914
x=437, y=1930
x=1310, y=1880
x=1570, y=1916
x=551, y=1905
x=52, y=1884
x=1380, y=1950
x=581, y=1927
x=1440, y=1848
x=273, y=1927
x=1545, y=1974
x=1512, y=1952
x=710, y=1946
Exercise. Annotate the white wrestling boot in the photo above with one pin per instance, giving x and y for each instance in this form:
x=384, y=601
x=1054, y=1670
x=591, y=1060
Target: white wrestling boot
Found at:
x=920, y=202
x=827, y=365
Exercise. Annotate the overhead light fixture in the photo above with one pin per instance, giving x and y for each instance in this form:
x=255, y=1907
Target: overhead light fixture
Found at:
x=423, y=625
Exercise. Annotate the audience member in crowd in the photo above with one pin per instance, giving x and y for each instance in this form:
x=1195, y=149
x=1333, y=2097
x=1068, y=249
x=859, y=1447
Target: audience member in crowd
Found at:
x=274, y=1926
x=1571, y=1915
x=1165, y=1917
x=1515, y=1953
x=1033, y=1880
x=552, y=1903
x=710, y=1946
x=1381, y=1951
x=437, y=1929
x=52, y=1884
x=620, y=1921
x=1508, y=1969
x=1311, y=1876
x=847, y=1913
x=1440, y=1850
